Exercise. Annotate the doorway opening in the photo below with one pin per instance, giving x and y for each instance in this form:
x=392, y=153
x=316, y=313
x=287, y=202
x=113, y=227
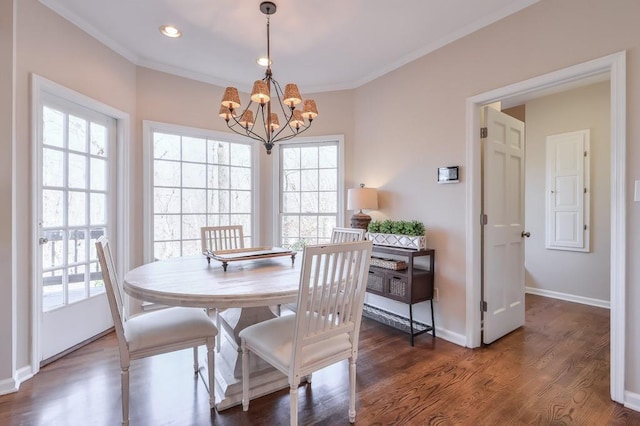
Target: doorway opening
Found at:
x=614, y=66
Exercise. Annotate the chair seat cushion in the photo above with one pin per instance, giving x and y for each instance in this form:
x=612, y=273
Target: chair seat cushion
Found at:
x=166, y=327
x=272, y=341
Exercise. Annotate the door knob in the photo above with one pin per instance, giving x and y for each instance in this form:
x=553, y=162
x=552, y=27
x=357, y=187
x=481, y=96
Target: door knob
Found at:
x=525, y=234
x=43, y=241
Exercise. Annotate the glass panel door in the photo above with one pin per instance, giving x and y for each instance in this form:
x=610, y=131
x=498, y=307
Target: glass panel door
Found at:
x=75, y=187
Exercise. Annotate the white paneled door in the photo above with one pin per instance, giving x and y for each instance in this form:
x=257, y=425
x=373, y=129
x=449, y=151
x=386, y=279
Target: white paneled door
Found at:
x=503, y=231
x=74, y=206
x=567, y=191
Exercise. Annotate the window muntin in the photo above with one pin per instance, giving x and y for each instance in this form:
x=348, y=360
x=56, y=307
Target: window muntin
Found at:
x=309, y=192
x=198, y=181
x=75, y=183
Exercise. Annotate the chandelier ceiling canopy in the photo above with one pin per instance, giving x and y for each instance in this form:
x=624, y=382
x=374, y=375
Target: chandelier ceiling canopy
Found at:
x=260, y=119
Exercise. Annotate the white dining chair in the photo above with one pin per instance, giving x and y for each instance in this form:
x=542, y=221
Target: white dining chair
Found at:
x=344, y=235
x=333, y=281
x=214, y=239
x=338, y=235
x=154, y=333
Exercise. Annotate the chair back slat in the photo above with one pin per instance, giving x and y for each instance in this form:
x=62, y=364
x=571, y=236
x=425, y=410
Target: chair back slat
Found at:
x=113, y=288
x=345, y=235
x=332, y=287
x=216, y=238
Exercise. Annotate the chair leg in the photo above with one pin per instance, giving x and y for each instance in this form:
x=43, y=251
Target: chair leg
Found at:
x=352, y=390
x=245, y=376
x=211, y=366
x=219, y=330
x=124, y=383
x=196, y=365
x=293, y=402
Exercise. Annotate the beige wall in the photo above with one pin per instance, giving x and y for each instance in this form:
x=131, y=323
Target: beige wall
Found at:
x=398, y=129
x=7, y=116
x=53, y=48
x=569, y=272
x=413, y=120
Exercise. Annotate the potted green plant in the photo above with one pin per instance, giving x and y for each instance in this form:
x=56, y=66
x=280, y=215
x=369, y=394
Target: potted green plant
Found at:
x=398, y=233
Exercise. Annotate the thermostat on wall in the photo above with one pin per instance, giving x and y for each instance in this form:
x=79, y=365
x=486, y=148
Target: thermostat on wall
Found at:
x=448, y=174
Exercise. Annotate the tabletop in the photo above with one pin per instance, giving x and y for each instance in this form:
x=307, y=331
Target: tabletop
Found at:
x=191, y=281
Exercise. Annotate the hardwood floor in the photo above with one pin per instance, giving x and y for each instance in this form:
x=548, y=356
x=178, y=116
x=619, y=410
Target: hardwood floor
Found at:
x=553, y=371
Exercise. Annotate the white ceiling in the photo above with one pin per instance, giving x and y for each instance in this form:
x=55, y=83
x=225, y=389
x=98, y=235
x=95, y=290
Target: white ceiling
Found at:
x=319, y=44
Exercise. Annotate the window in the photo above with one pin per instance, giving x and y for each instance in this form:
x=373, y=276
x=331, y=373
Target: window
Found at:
x=310, y=190
x=196, y=178
x=76, y=178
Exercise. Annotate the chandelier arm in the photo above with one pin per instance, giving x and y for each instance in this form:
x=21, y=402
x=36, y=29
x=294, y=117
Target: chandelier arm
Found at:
x=293, y=134
x=250, y=131
x=286, y=111
x=287, y=117
x=245, y=132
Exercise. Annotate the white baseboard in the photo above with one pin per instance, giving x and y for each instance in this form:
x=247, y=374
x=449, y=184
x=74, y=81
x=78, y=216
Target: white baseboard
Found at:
x=23, y=374
x=9, y=386
x=401, y=309
x=450, y=336
x=632, y=400
x=569, y=297
x=13, y=384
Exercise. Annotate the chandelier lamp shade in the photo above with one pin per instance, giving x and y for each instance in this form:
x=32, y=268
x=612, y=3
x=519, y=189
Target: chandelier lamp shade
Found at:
x=260, y=119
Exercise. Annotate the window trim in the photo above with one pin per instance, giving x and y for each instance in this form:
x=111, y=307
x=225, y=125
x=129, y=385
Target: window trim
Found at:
x=148, y=128
x=277, y=183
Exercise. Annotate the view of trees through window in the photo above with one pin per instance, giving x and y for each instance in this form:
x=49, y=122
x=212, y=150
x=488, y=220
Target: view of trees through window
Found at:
x=198, y=182
x=74, y=188
x=308, y=193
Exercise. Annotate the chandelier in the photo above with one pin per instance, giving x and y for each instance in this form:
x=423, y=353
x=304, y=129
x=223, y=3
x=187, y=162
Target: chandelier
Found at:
x=259, y=120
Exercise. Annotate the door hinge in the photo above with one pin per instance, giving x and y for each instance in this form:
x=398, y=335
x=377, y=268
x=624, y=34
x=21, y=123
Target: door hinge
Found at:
x=483, y=306
x=483, y=132
x=484, y=219
x=585, y=153
x=585, y=190
x=585, y=227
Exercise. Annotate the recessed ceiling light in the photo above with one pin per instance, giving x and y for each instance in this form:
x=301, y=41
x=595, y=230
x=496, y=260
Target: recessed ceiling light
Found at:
x=170, y=31
x=263, y=61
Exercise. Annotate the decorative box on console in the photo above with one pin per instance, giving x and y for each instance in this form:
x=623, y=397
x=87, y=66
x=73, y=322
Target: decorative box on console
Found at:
x=402, y=241
x=392, y=264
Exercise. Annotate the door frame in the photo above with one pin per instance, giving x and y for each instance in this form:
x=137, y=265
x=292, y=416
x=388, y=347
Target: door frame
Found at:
x=40, y=85
x=615, y=66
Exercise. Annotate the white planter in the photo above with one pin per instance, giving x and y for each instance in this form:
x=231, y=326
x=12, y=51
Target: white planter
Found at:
x=402, y=241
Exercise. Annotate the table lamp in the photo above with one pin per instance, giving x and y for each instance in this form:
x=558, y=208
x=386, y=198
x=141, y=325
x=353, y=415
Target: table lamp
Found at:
x=359, y=199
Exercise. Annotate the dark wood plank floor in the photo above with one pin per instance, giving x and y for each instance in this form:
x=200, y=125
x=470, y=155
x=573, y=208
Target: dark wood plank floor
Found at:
x=553, y=371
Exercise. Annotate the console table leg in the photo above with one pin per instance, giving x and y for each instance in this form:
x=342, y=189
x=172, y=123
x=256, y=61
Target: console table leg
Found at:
x=433, y=321
x=411, y=321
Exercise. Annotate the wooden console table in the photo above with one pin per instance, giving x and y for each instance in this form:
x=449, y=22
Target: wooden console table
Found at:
x=410, y=285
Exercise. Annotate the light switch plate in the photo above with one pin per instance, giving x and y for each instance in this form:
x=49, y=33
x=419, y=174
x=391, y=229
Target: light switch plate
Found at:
x=636, y=193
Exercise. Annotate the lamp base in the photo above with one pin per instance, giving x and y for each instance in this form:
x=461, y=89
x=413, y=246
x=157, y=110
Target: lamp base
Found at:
x=360, y=220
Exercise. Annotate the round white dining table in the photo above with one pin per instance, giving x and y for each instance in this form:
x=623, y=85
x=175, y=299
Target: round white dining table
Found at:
x=191, y=281
x=245, y=291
